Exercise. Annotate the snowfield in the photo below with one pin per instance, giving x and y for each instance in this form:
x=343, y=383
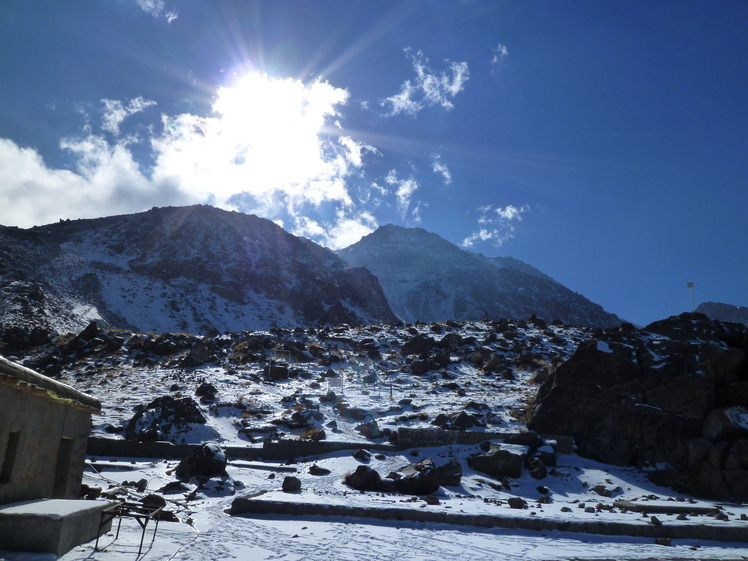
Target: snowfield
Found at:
x=248, y=408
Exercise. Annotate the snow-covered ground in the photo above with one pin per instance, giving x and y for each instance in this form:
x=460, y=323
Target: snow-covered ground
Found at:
x=206, y=531
x=394, y=397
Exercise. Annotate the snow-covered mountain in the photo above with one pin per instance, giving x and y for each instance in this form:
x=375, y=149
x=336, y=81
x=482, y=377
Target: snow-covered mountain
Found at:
x=426, y=278
x=179, y=269
x=724, y=312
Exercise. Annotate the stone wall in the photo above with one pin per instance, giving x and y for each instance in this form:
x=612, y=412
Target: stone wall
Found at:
x=41, y=424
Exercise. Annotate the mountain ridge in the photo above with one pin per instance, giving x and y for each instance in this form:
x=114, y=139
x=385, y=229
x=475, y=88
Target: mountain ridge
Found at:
x=199, y=269
x=193, y=269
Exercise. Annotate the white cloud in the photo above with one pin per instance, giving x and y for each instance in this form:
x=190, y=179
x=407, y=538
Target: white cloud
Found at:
x=347, y=229
x=271, y=146
x=153, y=7
x=500, y=53
x=156, y=8
x=495, y=224
x=429, y=88
x=441, y=168
x=115, y=112
x=404, y=189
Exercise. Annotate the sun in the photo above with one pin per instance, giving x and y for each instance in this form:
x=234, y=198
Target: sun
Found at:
x=271, y=128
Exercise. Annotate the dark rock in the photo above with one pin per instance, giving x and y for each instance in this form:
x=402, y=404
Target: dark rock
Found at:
x=362, y=455
x=305, y=418
x=206, y=389
x=451, y=341
x=530, y=439
x=291, y=484
x=461, y=421
x=420, y=478
x=164, y=418
x=276, y=372
x=432, y=500
x=364, y=479
x=732, y=394
x=726, y=423
x=205, y=462
x=631, y=398
x=517, y=502
x=370, y=430
x=450, y=473
x=418, y=345
x=153, y=501
x=500, y=461
x=537, y=468
x=698, y=449
x=737, y=457
x=317, y=470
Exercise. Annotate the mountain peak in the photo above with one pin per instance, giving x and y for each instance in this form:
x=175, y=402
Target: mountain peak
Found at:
x=427, y=278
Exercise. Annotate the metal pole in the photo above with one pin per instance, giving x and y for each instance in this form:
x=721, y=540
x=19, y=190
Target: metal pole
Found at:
x=693, y=304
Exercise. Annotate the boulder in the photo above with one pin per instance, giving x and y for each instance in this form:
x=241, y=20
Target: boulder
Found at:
x=291, y=484
x=418, y=345
x=537, y=468
x=500, y=460
x=449, y=474
x=364, y=479
x=205, y=462
x=420, y=478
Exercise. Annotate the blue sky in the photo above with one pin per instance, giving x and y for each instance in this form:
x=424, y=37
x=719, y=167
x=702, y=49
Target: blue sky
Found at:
x=602, y=142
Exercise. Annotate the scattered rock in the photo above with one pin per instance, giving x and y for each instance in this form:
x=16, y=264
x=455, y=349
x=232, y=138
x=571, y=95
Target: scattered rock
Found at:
x=291, y=484
x=362, y=455
x=517, y=502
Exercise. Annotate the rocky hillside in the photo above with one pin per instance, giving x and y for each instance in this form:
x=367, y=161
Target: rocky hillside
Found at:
x=673, y=393
x=724, y=312
x=426, y=278
x=187, y=269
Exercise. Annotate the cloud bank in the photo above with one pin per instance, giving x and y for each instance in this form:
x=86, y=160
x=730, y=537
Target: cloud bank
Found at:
x=273, y=147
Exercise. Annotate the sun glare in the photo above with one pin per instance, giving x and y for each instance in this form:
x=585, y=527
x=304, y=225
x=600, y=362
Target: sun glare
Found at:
x=272, y=127
x=267, y=138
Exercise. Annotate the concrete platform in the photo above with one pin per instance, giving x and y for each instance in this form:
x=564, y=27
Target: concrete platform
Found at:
x=50, y=525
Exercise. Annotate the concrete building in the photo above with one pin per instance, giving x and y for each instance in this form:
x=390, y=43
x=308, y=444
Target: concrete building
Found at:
x=44, y=428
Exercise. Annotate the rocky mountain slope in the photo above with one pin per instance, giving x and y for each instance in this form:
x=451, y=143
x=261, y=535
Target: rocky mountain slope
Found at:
x=186, y=269
x=426, y=278
x=724, y=312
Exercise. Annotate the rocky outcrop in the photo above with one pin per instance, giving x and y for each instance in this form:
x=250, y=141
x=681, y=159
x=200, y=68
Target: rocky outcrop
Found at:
x=724, y=312
x=646, y=396
x=170, y=419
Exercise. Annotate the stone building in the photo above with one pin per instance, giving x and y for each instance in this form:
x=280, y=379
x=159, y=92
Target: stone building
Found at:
x=44, y=428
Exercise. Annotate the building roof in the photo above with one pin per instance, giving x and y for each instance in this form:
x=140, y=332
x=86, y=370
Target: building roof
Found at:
x=27, y=380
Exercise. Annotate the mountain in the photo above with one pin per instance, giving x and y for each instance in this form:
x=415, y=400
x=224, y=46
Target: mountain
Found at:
x=724, y=312
x=426, y=278
x=178, y=269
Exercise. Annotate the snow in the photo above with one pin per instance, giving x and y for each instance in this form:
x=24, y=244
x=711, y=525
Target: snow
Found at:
x=603, y=347
x=213, y=534
x=396, y=399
